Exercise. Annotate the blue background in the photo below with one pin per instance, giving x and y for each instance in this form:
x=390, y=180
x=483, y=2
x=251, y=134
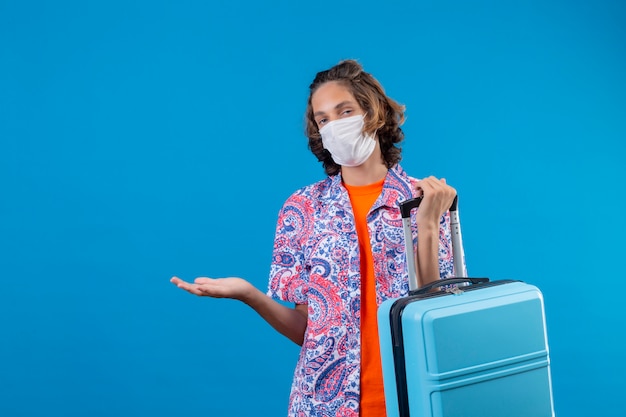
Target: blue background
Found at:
x=145, y=139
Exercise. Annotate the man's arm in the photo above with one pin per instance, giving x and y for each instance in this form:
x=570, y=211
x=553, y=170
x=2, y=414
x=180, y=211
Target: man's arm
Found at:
x=290, y=322
x=438, y=197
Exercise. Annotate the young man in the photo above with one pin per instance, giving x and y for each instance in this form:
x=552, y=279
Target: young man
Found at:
x=339, y=246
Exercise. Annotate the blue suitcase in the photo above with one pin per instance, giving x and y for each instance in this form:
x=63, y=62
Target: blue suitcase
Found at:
x=474, y=348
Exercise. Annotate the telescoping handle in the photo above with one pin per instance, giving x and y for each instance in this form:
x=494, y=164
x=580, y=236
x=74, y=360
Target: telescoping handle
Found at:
x=458, y=254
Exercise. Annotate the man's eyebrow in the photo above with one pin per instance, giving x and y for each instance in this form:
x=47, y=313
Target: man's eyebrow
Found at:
x=338, y=106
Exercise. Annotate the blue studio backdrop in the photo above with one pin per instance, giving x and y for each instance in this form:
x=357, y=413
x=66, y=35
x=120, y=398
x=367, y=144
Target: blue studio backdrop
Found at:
x=145, y=139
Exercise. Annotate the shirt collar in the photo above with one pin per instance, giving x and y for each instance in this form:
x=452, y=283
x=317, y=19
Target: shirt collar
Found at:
x=396, y=188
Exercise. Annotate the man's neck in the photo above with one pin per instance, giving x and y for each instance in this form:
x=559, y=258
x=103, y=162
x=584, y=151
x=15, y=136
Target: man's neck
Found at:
x=371, y=171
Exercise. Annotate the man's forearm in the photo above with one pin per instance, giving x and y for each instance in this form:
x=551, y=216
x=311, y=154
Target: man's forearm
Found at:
x=427, y=259
x=290, y=322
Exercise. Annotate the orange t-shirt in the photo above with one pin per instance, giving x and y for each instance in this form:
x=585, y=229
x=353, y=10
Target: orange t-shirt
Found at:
x=372, y=402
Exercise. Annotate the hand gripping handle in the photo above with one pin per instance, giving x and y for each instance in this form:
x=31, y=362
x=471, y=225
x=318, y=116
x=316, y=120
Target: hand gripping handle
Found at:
x=457, y=240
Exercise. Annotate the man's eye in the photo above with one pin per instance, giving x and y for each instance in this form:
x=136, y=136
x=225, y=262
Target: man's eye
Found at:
x=347, y=112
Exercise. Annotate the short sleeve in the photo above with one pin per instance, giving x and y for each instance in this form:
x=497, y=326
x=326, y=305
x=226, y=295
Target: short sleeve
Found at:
x=288, y=272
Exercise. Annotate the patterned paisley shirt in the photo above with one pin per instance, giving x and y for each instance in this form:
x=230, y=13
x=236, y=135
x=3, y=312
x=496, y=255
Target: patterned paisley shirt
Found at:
x=316, y=262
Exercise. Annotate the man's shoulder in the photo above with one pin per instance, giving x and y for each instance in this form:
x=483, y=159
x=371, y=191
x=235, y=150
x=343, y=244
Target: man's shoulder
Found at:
x=401, y=181
x=317, y=190
x=313, y=195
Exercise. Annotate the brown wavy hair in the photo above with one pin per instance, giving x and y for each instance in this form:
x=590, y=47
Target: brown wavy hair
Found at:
x=383, y=115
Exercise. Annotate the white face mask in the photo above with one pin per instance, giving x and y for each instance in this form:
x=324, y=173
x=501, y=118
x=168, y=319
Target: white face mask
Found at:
x=346, y=142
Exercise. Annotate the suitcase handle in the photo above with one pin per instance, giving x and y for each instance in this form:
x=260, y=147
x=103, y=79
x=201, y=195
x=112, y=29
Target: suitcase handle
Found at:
x=408, y=205
x=460, y=270
x=449, y=281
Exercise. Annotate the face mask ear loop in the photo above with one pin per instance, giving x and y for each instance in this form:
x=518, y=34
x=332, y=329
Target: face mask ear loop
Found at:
x=373, y=135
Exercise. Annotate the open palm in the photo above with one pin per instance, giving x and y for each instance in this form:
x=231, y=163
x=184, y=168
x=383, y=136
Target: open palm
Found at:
x=232, y=287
